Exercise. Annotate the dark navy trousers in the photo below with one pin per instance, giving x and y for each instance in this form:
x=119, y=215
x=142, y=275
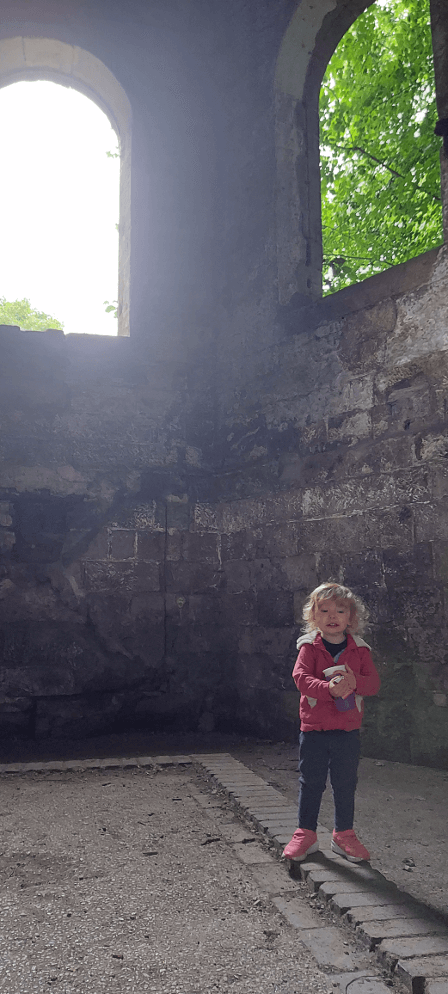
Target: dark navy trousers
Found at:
x=335, y=752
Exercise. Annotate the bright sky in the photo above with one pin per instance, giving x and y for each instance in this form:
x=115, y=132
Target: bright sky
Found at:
x=59, y=205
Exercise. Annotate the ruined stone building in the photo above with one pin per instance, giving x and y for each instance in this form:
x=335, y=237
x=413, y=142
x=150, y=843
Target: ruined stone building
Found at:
x=168, y=497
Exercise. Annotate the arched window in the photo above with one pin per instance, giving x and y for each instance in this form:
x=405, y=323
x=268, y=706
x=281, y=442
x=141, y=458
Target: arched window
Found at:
x=50, y=59
x=380, y=174
x=309, y=42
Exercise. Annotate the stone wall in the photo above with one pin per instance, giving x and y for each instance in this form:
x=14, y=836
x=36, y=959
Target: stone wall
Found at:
x=158, y=542
x=167, y=501
x=336, y=467
x=99, y=449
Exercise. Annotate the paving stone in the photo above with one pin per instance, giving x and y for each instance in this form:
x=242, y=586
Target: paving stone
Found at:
x=343, y=901
x=367, y=985
x=279, y=828
x=296, y=913
x=417, y=971
x=252, y=854
x=236, y=833
x=392, y=950
x=282, y=819
x=169, y=761
x=437, y=987
x=315, y=878
x=255, y=793
x=384, y=912
x=328, y=888
x=348, y=983
x=273, y=879
x=371, y=933
x=327, y=946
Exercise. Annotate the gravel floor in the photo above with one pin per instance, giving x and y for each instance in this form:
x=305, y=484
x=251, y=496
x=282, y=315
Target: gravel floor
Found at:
x=111, y=882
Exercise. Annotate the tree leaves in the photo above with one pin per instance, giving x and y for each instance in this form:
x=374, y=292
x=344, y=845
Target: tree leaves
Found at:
x=380, y=171
x=20, y=312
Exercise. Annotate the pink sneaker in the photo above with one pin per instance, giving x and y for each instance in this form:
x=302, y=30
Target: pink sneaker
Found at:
x=346, y=844
x=304, y=841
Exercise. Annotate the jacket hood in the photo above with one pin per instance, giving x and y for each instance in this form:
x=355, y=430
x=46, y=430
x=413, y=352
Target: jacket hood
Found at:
x=310, y=637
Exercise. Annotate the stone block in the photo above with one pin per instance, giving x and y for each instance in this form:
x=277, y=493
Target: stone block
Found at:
x=99, y=546
x=343, y=902
x=379, y=913
x=151, y=546
x=296, y=912
x=239, y=609
x=253, y=854
x=437, y=986
x=359, y=984
x=275, y=608
x=200, y=547
x=173, y=546
x=101, y=576
x=238, y=576
x=194, y=578
x=329, y=887
x=146, y=577
x=416, y=972
x=178, y=512
x=328, y=948
x=271, y=642
x=372, y=933
x=122, y=544
x=238, y=545
x=392, y=950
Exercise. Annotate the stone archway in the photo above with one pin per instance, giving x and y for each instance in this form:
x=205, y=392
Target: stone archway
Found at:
x=50, y=59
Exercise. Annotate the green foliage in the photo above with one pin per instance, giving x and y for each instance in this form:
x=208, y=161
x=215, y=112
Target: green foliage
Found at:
x=381, y=200
x=111, y=308
x=20, y=312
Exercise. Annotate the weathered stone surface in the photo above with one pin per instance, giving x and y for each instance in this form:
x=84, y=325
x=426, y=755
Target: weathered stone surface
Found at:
x=296, y=913
x=416, y=972
x=392, y=950
x=328, y=948
x=342, y=902
x=373, y=933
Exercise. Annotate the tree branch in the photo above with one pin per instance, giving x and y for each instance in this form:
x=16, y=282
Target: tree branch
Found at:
x=363, y=151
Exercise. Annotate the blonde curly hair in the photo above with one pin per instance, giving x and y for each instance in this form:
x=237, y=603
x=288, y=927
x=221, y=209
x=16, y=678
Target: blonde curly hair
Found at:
x=335, y=591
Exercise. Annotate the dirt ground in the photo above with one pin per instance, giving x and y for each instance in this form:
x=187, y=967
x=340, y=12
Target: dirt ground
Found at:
x=401, y=810
x=117, y=882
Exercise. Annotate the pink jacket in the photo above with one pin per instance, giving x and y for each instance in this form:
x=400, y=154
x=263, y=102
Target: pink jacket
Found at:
x=318, y=711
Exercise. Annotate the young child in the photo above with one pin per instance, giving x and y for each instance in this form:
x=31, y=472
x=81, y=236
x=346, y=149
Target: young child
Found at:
x=334, y=672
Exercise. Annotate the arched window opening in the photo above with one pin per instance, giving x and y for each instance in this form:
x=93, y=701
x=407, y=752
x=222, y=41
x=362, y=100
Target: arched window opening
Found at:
x=380, y=173
x=59, y=203
x=89, y=104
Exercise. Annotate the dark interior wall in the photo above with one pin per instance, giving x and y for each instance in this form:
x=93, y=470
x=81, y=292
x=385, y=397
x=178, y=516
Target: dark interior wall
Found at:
x=167, y=500
x=99, y=451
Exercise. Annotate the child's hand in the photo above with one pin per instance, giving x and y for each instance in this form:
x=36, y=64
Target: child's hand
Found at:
x=351, y=679
x=343, y=684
